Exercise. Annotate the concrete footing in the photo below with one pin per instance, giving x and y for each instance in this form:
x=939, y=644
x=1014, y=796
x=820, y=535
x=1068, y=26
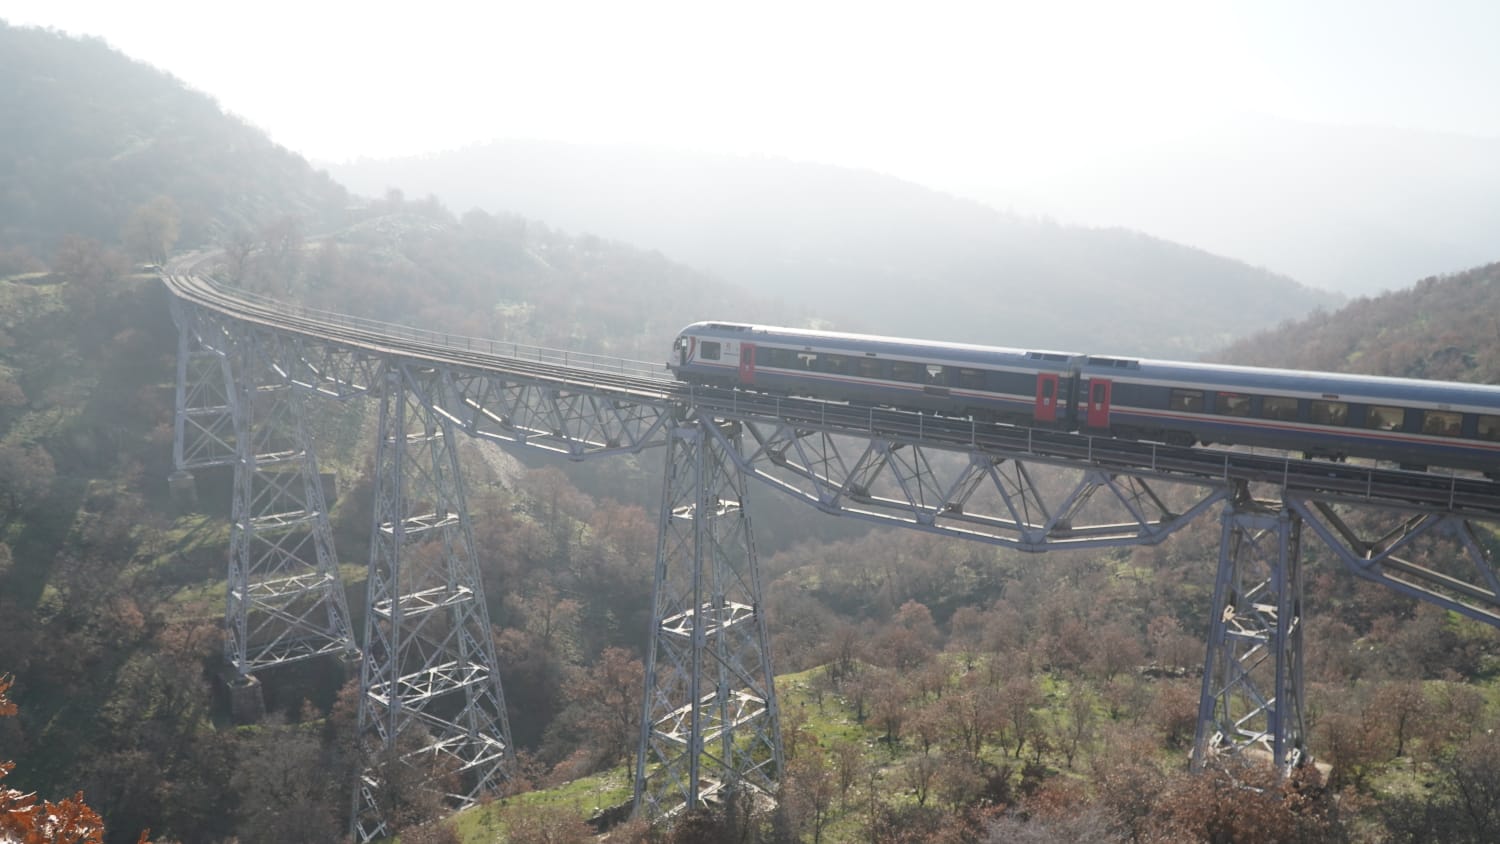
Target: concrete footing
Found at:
x=247, y=702
x=184, y=490
x=349, y=664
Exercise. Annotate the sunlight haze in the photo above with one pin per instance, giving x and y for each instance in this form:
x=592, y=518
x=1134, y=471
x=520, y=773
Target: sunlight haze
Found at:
x=1036, y=108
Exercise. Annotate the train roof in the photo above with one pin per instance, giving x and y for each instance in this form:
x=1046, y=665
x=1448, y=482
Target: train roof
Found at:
x=876, y=342
x=1304, y=383
x=1341, y=386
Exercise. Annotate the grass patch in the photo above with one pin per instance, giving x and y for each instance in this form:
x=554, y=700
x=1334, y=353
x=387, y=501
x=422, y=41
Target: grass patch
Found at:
x=588, y=796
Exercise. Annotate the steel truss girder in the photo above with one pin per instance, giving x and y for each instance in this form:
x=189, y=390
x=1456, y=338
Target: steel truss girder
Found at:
x=709, y=718
x=1251, y=700
x=1470, y=587
x=542, y=413
x=430, y=685
x=284, y=600
x=326, y=369
x=966, y=493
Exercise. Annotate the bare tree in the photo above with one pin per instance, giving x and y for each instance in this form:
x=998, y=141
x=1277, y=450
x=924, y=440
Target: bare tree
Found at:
x=1073, y=724
x=918, y=774
x=809, y=789
x=848, y=765
x=151, y=230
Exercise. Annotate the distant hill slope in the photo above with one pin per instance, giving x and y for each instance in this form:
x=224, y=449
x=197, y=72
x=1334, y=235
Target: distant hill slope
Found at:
x=1358, y=209
x=868, y=252
x=509, y=278
x=88, y=134
x=1445, y=328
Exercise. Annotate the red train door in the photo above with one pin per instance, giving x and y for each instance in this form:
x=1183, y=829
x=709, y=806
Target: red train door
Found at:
x=747, y=363
x=1098, y=403
x=1046, y=397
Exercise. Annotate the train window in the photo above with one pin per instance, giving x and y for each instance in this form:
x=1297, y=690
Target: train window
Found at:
x=1190, y=401
x=1328, y=412
x=1380, y=417
x=807, y=360
x=708, y=350
x=1013, y=382
x=972, y=379
x=1131, y=394
x=784, y=359
x=1279, y=407
x=903, y=371
x=868, y=367
x=935, y=374
x=837, y=364
x=1489, y=428
x=1117, y=363
x=1442, y=423
x=1231, y=404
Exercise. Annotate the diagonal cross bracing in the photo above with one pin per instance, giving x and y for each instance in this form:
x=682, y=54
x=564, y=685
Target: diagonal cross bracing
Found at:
x=517, y=410
x=1433, y=556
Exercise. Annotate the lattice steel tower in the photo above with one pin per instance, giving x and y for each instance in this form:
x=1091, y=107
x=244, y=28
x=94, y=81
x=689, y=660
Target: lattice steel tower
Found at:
x=710, y=720
x=285, y=600
x=1252, y=691
x=432, y=713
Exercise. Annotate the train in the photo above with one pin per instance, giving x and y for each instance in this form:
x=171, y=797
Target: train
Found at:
x=1414, y=423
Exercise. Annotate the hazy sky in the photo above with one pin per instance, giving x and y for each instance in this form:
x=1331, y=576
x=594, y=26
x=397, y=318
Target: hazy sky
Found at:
x=931, y=91
x=1164, y=117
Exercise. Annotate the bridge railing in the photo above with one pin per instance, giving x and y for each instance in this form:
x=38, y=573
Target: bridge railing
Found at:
x=379, y=330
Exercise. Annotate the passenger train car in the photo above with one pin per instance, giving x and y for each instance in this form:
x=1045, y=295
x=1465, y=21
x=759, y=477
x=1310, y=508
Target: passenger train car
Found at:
x=1411, y=422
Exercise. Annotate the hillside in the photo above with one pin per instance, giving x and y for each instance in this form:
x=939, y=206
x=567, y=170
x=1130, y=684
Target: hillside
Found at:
x=505, y=277
x=90, y=135
x=862, y=251
x=1445, y=328
x=1357, y=209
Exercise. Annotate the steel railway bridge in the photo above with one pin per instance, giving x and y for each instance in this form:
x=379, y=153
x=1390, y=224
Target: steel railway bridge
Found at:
x=430, y=694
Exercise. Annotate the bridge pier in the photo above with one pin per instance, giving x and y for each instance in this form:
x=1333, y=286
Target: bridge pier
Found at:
x=431, y=710
x=710, y=722
x=1251, y=701
x=285, y=599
